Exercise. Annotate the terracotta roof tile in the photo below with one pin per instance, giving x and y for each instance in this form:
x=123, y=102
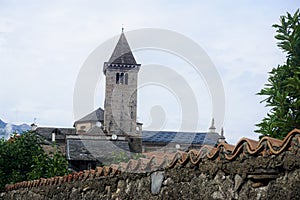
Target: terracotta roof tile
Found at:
x=266, y=146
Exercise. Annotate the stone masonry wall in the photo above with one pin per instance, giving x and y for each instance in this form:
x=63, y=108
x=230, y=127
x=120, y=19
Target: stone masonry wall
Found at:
x=265, y=169
x=121, y=102
x=273, y=177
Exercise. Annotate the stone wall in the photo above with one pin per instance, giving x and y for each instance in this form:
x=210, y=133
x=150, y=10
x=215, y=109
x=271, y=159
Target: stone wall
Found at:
x=268, y=169
x=254, y=178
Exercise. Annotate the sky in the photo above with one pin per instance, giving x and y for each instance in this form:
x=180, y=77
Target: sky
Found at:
x=44, y=44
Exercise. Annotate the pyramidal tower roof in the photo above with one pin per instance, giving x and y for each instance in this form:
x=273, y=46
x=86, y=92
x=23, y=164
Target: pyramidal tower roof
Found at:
x=122, y=53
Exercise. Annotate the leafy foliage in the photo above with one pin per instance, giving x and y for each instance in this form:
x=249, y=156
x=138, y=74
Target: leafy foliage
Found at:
x=283, y=87
x=123, y=157
x=23, y=158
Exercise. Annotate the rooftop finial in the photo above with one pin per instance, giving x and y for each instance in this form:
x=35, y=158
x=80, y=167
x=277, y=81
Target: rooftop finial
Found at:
x=212, y=128
x=122, y=28
x=222, y=132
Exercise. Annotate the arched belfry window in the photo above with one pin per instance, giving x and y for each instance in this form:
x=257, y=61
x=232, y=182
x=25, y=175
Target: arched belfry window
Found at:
x=126, y=79
x=121, y=78
x=117, y=78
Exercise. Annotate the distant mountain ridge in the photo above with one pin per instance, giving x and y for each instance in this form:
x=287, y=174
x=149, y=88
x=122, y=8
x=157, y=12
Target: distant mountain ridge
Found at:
x=6, y=129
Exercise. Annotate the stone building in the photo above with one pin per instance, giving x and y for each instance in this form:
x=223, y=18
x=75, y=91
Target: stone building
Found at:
x=120, y=106
x=88, y=122
x=50, y=135
x=103, y=133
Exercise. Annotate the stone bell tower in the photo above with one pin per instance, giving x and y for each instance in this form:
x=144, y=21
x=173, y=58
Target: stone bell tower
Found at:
x=120, y=106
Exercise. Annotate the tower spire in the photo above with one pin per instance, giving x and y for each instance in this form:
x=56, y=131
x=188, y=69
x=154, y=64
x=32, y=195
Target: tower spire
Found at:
x=122, y=53
x=122, y=56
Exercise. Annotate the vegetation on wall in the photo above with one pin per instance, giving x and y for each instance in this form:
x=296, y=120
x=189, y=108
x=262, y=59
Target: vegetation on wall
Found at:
x=124, y=157
x=283, y=88
x=23, y=158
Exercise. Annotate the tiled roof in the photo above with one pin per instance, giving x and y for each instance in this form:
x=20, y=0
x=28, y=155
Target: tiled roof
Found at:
x=95, y=116
x=94, y=150
x=60, y=133
x=181, y=137
x=96, y=130
x=245, y=147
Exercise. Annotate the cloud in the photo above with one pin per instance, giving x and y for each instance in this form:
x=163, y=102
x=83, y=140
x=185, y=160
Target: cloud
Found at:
x=44, y=44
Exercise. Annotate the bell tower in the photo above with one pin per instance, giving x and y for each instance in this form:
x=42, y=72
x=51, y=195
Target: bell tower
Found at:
x=120, y=106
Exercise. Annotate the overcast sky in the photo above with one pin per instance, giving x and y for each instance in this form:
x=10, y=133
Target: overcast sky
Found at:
x=43, y=45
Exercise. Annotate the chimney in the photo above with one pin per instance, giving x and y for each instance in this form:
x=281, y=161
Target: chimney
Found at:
x=33, y=127
x=53, y=136
x=221, y=138
x=139, y=128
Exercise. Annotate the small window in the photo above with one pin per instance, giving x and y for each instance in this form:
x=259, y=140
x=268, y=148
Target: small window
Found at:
x=110, y=126
x=89, y=166
x=126, y=79
x=82, y=127
x=131, y=112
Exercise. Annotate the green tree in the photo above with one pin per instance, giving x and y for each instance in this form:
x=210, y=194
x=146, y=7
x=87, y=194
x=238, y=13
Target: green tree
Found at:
x=23, y=158
x=283, y=87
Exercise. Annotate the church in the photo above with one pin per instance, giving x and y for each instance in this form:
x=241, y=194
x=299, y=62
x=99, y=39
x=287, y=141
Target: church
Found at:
x=105, y=133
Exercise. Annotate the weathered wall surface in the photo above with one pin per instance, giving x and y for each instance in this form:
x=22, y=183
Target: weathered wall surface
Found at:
x=253, y=178
x=268, y=169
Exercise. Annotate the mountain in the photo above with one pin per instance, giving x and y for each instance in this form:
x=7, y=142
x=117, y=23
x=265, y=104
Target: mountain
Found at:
x=2, y=124
x=6, y=129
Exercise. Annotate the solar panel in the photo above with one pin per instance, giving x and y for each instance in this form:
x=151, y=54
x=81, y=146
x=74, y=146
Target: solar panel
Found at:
x=175, y=137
